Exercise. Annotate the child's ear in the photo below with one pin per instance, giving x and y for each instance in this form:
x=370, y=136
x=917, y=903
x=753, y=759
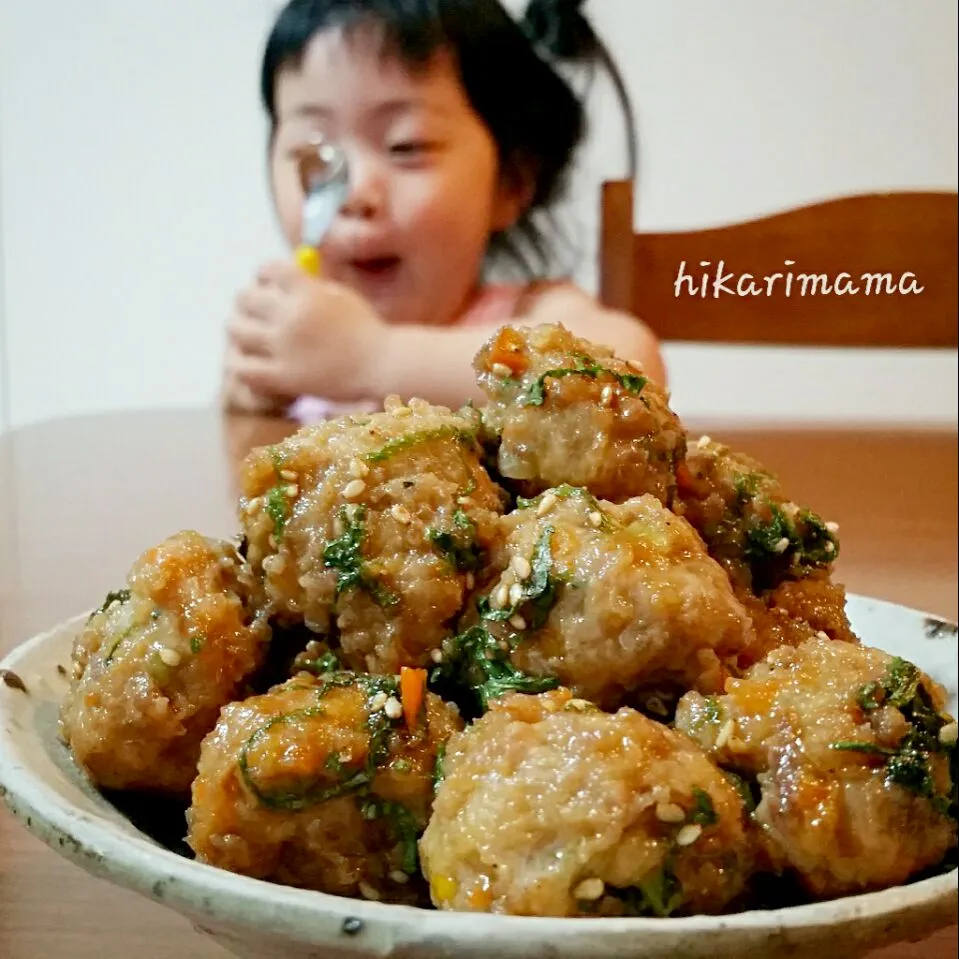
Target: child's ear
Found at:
x=514, y=196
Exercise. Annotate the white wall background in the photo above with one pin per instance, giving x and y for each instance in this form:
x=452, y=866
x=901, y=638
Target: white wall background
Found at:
x=133, y=199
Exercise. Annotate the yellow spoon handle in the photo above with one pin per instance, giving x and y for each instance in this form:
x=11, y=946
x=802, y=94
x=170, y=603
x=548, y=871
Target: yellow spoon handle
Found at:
x=308, y=258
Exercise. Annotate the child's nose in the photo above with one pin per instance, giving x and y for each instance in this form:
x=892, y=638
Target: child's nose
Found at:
x=366, y=191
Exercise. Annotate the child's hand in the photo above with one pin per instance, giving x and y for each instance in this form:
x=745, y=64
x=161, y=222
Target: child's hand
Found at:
x=294, y=334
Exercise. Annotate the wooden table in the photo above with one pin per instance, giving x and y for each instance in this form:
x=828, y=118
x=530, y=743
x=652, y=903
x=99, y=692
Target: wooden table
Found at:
x=81, y=498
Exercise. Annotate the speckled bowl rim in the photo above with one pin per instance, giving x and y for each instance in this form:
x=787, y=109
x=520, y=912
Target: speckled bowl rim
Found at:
x=132, y=860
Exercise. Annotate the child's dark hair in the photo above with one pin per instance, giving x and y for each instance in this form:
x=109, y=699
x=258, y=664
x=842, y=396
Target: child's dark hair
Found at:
x=532, y=113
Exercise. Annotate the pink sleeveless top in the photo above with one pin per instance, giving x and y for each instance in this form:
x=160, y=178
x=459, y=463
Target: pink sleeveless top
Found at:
x=494, y=305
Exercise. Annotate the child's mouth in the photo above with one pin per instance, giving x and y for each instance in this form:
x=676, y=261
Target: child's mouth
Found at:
x=377, y=268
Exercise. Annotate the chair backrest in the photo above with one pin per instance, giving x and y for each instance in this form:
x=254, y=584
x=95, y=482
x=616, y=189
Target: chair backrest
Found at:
x=869, y=270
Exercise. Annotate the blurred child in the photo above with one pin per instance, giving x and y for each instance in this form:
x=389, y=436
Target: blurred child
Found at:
x=459, y=136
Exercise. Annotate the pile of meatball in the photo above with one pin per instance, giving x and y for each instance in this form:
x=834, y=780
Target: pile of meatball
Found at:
x=548, y=657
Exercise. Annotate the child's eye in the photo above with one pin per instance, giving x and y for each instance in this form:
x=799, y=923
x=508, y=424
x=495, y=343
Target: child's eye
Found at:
x=409, y=147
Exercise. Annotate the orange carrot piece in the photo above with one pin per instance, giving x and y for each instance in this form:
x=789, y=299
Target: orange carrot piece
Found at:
x=412, y=693
x=508, y=351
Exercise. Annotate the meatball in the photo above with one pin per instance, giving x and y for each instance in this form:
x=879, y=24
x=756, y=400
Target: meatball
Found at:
x=154, y=665
x=851, y=752
x=550, y=807
x=566, y=411
x=794, y=612
x=369, y=529
x=611, y=600
x=323, y=783
x=746, y=521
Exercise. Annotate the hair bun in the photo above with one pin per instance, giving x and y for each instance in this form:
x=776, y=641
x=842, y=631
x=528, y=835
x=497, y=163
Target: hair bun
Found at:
x=560, y=28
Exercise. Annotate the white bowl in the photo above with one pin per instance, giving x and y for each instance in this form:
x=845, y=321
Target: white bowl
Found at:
x=252, y=918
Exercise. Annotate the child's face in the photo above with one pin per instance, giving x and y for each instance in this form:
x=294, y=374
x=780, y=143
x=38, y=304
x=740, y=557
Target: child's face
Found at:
x=425, y=185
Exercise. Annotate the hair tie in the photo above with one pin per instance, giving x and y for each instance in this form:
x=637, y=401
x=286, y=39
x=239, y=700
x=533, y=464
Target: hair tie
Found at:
x=560, y=29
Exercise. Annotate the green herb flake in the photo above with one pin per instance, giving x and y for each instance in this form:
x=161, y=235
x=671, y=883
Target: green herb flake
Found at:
x=197, y=642
x=742, y=787
x=660, y=895
x=901, y=683
x=402, y=443
x=582, y=366
x=345, y=555
x=703, y=812
x=117, y=642
x=439, y=773
x=118, y=596
x=870, y=696
x=476, y=659
x=348, y=780
x=458, y=545
x=327, y=663
x=403, y=825
x=541, y=590
x=277, y=508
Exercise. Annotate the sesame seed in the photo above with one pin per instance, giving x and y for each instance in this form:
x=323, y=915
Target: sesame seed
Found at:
x=704, y=441
x=378, y=702
x=368, y=892
x=791, y=510
x=503, y=645
x=579, y=705
x=437, y=656
x=391, y=403
x=288, y=475
x=635, y=364
x=399, y=877
x=546, y=504
x=501, y=370
x=393, y=708
x=832, y=527
x=830, y=547
x=689, y=834
x=590, y=890
x=169, y=657
x=515, y=594
x=274, y=565
x=596, y=519
x=518, y=623
x=669, y=812
x=782, y=545
x=729, y=727
x=353, y=489
x=470, y=580
x=293, y=491
x=489, y=654
x=464, y=501
x=500, y=597
x=949, y=734
x=520, y=565
x=253, y=506
x=401, y=514
x=606, y=396
x=822, y=635
x=359, y=469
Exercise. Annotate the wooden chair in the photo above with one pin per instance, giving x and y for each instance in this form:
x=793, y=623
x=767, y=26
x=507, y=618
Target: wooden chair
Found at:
x=870, y=270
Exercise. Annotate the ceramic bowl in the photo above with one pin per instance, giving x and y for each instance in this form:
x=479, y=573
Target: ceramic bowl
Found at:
x=251, y=918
